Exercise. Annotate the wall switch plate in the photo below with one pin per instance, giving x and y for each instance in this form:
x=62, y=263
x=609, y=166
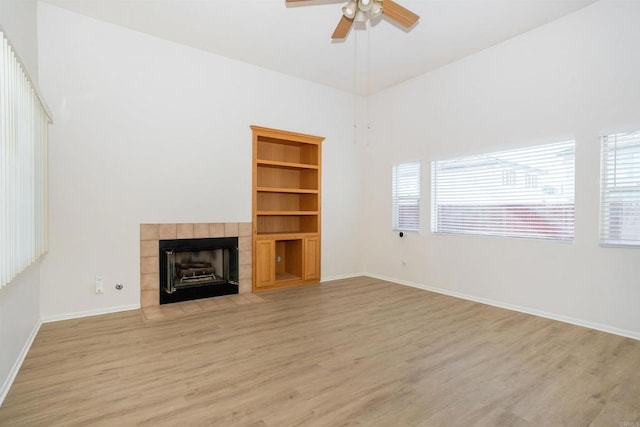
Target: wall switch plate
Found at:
x=99, y=285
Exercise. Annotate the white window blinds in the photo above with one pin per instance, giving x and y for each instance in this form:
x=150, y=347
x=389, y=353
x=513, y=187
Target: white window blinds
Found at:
x=23, y=168
x=526, y=192
x=620, y=189
x=406, y=197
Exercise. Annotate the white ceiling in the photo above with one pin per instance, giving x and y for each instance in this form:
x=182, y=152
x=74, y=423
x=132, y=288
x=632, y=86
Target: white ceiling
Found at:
x=296, y=38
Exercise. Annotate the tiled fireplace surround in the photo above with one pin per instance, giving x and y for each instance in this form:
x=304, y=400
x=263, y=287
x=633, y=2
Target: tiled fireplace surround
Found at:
x=151, y=234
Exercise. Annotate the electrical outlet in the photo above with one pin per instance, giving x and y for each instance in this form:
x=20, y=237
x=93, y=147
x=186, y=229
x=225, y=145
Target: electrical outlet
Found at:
x=99, y=285
x=278, y=259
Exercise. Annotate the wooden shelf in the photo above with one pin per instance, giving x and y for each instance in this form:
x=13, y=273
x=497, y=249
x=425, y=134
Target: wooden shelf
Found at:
x=286, y=208
x=285, y=190
x=285, y=213
x=280, y=277
x=287, y=177
x=280, y=235
x=287, y=224
x=290, y=165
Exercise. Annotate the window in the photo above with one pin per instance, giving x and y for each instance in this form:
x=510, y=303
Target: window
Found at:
x=508, y=177
x=483, y=195
x=23, y=168
x=620, y=190
x=531, y=180
x=406, y=196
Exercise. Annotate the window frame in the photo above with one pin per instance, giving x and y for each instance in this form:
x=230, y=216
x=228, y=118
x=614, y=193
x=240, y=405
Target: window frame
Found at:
x=510, y=213
x=606, y=151
x=411, y=199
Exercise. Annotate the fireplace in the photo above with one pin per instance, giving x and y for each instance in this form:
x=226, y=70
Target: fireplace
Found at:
x=151, y=234
x=197, y=268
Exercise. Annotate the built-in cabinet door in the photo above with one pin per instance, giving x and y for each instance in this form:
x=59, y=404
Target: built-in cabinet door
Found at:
x=265, y=265
x=312, y=258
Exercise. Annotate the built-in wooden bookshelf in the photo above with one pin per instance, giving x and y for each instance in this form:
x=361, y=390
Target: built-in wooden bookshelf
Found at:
x=286, y=208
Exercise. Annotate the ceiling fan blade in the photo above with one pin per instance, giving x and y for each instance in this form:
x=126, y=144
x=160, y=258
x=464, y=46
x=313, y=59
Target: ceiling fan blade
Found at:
x=343, y=28
x=399, y=14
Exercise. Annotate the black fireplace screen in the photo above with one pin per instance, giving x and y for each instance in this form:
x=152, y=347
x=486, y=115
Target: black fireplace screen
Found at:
x=186, y=264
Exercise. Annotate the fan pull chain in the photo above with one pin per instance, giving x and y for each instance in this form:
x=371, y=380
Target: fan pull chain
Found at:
x=368, y=24
x=355, y=88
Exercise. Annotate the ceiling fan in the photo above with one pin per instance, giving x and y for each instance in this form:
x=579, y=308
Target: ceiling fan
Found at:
x=361, y=10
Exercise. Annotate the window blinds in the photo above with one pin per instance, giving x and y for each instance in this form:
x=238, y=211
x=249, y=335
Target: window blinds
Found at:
x=406, y=196
x=527, y=192
x=620, y=189
x=23, y=168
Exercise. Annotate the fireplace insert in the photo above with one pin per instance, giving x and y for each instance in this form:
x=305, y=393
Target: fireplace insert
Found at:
x=198, y=268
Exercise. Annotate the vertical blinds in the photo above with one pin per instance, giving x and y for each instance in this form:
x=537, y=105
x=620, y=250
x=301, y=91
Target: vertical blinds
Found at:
x=406, y=196
x=527, y=192
x=23, y=168
x=620, y=189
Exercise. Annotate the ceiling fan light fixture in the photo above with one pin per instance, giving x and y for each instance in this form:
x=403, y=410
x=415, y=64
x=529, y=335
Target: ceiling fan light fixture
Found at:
x=361, y=11
x=365, y=5
x=361, y=16
x=376, y=9
x=349, y=11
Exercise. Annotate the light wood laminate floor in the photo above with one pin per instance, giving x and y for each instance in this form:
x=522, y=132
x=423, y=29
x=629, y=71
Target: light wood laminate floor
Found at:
x=352, y=352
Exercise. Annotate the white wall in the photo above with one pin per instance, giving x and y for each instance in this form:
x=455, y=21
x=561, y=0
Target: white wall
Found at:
x=19, y=322
x=20, y=299
x=151, y=131
x=577, y=76
x=18, y=18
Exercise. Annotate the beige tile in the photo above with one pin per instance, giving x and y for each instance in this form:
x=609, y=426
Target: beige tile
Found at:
x=208, y=304
x=230, y=229
x=245, y=286
x=149, y=264
x=149, y=298
x=254, y=298
x=245, y=258
x=244, y=243
x=244, y=229
x=200, y=231
x=244, y=272
x=168, y=231
x=239, y=299
x=152, y=313
x=225, y=302
x=149, y=231
x=216, y=230
x=149, y=248
x=189, y=307
x=150, y=281
x=185, y=231
x=170, y=310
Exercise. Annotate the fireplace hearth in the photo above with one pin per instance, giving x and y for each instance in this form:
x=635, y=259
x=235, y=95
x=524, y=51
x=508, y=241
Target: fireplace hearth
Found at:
x=197, y=268
x=151, y=234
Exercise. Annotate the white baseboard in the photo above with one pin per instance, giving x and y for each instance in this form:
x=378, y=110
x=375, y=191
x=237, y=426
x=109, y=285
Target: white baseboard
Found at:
x=4, y=390
x=88, y=313
x=561, y=318
x=343, y=276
